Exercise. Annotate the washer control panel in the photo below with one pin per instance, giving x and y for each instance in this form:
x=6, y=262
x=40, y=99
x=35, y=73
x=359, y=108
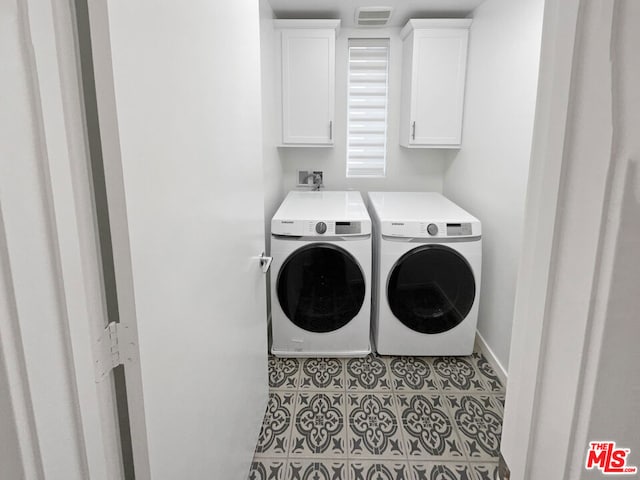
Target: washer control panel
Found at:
x=348, y=228
x=336, y=228
x=320, y=228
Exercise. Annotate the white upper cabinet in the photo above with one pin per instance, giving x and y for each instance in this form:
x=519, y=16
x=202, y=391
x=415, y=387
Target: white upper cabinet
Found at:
x=307, y=81
x=433, y=79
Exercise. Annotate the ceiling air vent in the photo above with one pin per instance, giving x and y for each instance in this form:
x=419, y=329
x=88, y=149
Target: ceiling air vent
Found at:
x=373, y=16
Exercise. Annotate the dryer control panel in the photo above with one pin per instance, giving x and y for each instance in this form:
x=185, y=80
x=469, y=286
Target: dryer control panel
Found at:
x=459, y=229
x=436, y=229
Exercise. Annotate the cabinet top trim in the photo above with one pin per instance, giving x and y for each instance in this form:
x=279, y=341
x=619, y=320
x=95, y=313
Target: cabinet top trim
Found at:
x=417, y=23
x=307, y=23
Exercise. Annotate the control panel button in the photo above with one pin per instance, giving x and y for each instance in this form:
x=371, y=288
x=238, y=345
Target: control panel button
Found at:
x=321, y=227
x=432, y=228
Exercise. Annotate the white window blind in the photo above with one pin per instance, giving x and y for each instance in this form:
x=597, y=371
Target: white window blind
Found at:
x=367, y=107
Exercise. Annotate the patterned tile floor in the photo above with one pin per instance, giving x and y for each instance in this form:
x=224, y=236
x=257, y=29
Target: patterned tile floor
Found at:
x=380, y=418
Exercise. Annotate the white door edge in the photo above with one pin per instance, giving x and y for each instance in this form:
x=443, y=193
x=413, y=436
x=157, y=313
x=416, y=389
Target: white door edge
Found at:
x=101, y=47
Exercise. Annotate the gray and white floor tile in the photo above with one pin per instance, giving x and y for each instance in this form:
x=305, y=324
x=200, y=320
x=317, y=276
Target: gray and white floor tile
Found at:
x=441, y=471
x=275, y=433
x=373, y=426
x=367, y=374
x=379, y=470
x=316, y=469
x=485, y=471
x=478, y=420
x=325, y=374
x=284, y=373
x=428, y=429
x=412, y=374
x=487, y=373
x=319, y=427
x=380, y=418
x=457, y=374
x=267, y=469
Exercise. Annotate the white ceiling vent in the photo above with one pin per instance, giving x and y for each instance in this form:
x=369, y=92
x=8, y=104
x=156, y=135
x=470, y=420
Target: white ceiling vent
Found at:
x=373, y=16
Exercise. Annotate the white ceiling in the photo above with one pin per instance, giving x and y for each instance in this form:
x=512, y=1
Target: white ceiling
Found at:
x=403, y=10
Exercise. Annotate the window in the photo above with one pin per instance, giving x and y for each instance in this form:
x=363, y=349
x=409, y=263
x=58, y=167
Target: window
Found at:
x=367, y=107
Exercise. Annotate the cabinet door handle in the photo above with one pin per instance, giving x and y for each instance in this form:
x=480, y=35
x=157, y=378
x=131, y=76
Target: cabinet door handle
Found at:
x=413, y=130
x=331, y=130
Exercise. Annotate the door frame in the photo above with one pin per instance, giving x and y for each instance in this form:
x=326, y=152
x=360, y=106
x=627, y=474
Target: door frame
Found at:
x=88, y=446
x=536, y=266
x=571, y=215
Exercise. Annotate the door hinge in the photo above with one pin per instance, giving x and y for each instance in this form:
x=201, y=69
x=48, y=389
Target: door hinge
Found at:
x=116, y=346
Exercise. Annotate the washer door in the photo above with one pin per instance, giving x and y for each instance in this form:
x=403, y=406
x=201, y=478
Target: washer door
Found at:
x=431, y=289
x=321, y=287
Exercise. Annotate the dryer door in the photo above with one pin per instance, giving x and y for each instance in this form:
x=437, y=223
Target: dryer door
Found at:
x=431, y=289
x=321, y=287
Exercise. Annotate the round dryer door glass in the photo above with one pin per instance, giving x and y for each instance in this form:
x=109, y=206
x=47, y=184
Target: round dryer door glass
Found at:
x=431, y=289
x=321, y=287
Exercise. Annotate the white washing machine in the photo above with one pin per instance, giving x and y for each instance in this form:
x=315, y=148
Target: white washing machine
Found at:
x=321, y=275
x=427, y=261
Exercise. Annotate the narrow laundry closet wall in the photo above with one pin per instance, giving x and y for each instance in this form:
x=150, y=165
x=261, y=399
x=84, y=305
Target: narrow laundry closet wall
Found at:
x=488, y=176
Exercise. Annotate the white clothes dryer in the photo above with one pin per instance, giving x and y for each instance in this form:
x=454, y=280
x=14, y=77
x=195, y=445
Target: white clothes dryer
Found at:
x=427, y=262
x=321, y=275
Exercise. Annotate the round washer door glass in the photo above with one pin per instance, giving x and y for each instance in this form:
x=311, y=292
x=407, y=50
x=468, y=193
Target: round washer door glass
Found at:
x=431, y=289
x=321, y=287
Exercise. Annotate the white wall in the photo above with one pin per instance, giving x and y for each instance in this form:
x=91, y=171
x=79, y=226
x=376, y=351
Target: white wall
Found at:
x=407, y=169
x=488, y=176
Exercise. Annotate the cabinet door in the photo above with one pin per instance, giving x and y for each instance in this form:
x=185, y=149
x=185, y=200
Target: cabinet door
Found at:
x=308, y=57
x=437, y=87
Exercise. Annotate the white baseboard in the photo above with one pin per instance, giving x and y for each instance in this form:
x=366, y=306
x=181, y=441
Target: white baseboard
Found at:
x=482, y=347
